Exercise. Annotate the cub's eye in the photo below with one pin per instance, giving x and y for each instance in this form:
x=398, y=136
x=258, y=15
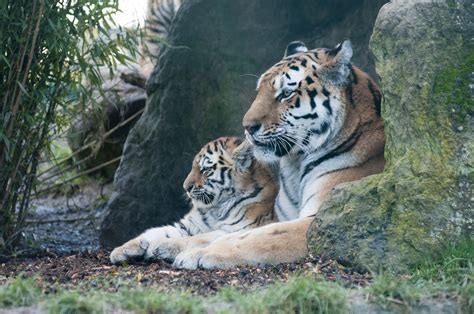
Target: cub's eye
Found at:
x=285, y=94
x=206, y=171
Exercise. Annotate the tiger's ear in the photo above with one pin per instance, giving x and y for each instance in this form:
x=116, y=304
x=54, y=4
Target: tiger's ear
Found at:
x=342, y=53
x=295, y=47
x=243, y=156
x=337, y=69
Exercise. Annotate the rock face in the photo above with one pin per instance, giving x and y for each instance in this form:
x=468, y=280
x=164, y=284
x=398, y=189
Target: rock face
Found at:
x=205, y=84
x=424, y=199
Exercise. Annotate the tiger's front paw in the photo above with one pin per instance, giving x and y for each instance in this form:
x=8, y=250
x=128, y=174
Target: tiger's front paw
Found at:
x=203, y=258
x=132, y=250
x=166, y=249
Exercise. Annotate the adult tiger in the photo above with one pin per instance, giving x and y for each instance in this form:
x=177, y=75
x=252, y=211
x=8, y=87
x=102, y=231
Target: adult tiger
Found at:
x=158, y=21
x=318, y=117
x=229, y=192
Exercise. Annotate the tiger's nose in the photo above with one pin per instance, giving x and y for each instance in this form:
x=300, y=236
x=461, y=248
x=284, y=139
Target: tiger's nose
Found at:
x=252, y=127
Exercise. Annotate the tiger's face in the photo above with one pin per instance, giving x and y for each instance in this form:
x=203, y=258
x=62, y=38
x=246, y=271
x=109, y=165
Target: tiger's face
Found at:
x=215, y=172
x=300, y=102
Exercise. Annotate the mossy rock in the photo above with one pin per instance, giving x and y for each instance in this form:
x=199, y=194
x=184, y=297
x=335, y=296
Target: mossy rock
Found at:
x=424, y=198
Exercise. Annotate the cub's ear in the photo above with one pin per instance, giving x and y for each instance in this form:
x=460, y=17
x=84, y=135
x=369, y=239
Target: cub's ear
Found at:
x=342, y=53
x=337, y=69
x=243, y=156
x=295, y=47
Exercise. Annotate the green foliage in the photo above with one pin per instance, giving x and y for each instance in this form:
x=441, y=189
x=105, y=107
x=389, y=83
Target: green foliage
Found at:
x=53, y=55
x=19, y=292
x=446, y=273
x=152, y=301
x=73, y=302
x=298, y=295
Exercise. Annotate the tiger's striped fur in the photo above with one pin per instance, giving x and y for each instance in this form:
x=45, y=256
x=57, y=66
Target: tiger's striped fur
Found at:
x=158, y=21
x=229, y=192
x=318, y=118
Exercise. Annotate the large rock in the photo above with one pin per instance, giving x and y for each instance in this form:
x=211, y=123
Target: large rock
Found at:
x=204, y=86
x=424, y=199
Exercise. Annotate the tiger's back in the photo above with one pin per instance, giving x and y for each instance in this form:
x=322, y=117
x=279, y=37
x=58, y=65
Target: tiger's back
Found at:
x=159, y=18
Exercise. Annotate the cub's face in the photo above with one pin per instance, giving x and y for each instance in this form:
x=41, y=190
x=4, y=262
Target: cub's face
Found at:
x=212, y=179
x=300, y=101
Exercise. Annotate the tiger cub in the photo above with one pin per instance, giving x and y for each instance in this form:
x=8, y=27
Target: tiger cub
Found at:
x=229, y=192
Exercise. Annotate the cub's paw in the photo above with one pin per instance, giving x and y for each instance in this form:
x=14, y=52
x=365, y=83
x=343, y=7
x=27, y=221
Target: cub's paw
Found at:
x=202, y=258
x=132, y=250
x=166, y=249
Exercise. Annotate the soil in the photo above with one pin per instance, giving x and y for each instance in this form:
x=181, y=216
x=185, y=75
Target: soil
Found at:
x=63, y=248
x=66, y=222
x=94, y=270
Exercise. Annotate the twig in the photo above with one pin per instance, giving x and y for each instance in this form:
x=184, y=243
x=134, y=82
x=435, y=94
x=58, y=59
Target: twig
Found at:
x=77, y=176
x=93, y=142
x=47, y=221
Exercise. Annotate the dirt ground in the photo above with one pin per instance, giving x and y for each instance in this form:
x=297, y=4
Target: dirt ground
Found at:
x=62, y=242
x=93, y=270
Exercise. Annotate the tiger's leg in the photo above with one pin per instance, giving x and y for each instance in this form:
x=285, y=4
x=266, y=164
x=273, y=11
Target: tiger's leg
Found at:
x=271, y=244
x=168, y=249
x=142, y=246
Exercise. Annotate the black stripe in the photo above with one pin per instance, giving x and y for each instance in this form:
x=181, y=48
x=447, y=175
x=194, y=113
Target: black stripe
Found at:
x=351, y=98
x=203, y=216
x=327, y=105
x=312, y=94
x=255, y=193
x=238, y=220
x=309, y=80
x=297, y=102
x=315, y=58
x=376, y=96
x=323, y=129
x=308, y=199
x=285, y=190
x=355, y=79
x=307, y=116
x=279, y=210
x=326, y=92
x=341, y=149
x=294, y=68
x=248, y=225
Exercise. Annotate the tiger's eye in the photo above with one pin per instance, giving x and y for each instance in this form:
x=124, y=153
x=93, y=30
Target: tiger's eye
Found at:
x=287, y=93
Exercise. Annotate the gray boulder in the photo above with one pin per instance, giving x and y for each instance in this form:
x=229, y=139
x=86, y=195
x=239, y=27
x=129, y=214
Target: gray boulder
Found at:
x=202, y=87
x=424, y=199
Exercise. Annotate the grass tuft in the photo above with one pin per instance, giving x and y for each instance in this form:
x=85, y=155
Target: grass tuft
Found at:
x=153, y=301
x=298, y=295
x=447, y=274
x=73, y=302
x=19, y=292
